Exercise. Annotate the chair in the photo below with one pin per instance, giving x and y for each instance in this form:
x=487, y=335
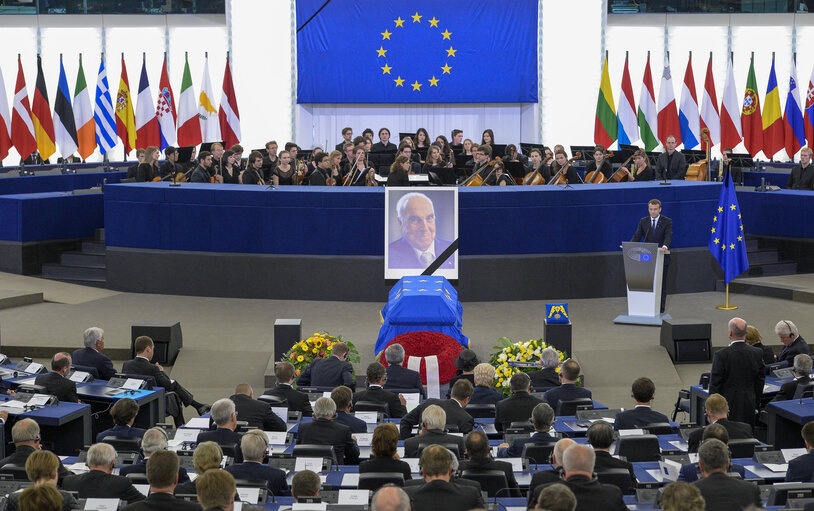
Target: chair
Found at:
x=88, y=369
x=452, y=428
x=638, y=448
x=122, y=444
x=538, y=453
x=520, y=427
x=481, y=410
x=375, y=480
x=136, y=478
x=619, y=477
x=17, y=472
x=314, y=451
x=743, y=447
x=658, y=428
x=804, y=390
x=451, y=447
x=372, y=406
x=229, y=449
x=276, y=401
x=570, y=406
x=683, y=400
x=491, y=481
x=779, y=492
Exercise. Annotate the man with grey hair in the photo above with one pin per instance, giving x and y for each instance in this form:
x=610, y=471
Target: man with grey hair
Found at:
x=225, y=418
x=99, y=482
x=720, y=491
x=154, y=440
x=600, y=437
x=390, y=498
x=738, y=374
x=455, y=409
x=57, y=382
x=324, y=430
x=546, y=377
x=399, y=377
x=91, y=355
x=26, y=437
x=793, y=343
x=542, y=418
x=485, y=392
x=431, y=431
x=254, y=445
x=518, y=406
x=802, y=374
x=544, y=477
x=418, y=247
x=556, y=497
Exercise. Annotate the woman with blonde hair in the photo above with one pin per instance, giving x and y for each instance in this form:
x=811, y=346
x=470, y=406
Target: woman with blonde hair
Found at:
x=753, y=338
x=41, y=468
x=383, y=452
x=485, y=392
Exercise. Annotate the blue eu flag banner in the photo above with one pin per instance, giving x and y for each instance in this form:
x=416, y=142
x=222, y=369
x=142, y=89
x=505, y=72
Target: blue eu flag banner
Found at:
x=392, y=51
x=727, y=241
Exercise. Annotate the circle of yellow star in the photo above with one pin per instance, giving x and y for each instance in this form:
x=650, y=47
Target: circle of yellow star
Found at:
x=446, y=34
x=399, y=82
x=433, y=81
x=450, y=52
x=416, y=17
x=386, y=34
x=386, y=69
x=715, y=241
x=434, y=22
x=732, y=207
x=381, y=52
x=713, y=229
x=446, y=69
x=399, y=22
x=740, y=238
x=732, y=246
x=720, y=209
x=416, y=85
x=715, y=219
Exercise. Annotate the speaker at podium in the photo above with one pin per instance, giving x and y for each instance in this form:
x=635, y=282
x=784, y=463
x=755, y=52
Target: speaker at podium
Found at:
x=644, y=264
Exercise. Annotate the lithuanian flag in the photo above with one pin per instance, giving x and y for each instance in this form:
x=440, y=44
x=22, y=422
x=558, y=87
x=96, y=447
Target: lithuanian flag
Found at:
x=605, y=123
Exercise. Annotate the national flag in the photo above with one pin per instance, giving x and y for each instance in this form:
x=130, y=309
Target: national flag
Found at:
x=628, y=130
x=147, y=132
x=808, y=116
x=5, y=121
x=668, y=114
x=83, y=115
x=189, y=128
x=125, y=120
x=22, y=126
x=64, y=123
x=647, y=116
x=210, y=126
x=727, y=239
x=688, y=113
x=103, y=114
x=228, y=114
x=41, y=116
x=772, y=119
x=731, y=130
x=710, y=119
x=750, y=119
x=793, y=131
x=165, y=109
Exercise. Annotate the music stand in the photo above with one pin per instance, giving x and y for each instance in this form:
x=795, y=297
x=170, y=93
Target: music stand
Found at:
x=515, y=168
x=498, y=150
x=586, y=150
x=631, y=148
x=185, y=154
x=207, y=146
x=305, y=154
x=621, y=155
x=403, y=135
x=692, y=156
x=742, y=161
x=263, y=152
x=526, y=147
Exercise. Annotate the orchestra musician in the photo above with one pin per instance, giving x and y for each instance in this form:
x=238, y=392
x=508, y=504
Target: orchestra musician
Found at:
x=229, y=171
x=399, y=170
x=446, y=152
x=336, y=167
x=434, y=162
x=368, y=134
x=347, y=157
x=719, y=169
x=561, y=159
x=513, y=155
x=422, y=139
x=406, y=149
x=237, y=149
x=671, y=163
x=600, y=162
x=481, y=157
x=148, y=169
x=548, y=155
x=347, y=136
x=802, y=175
x=488, y=137
x=502, y=178
x=363, y=172
x=384, y=145
x=203, y=172
x=536, y=163
x=467, y=147
x=131, y=170
x=321, y=174
x=555, y=166
x=217, y=158
x=270, y=160
x=253, y=175
x=457, y=139
x=642, y=171
x=284, y=172
x=169, y=167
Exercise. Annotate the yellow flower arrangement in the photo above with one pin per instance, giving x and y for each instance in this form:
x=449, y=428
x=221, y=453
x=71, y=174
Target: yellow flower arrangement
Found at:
x=514, y=357
x=319, y=345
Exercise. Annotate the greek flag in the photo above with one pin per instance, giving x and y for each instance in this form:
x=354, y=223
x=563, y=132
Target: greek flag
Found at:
x=103, y=113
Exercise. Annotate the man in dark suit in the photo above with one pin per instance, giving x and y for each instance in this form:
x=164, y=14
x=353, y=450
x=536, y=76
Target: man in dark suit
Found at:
x=124, y=414
x=802, y=374
x=689, y=472
x=438, y=493
x=297, y=401
x=542, y=418
x=433, y=420
x=721, y=492
x=656, y=228
x=546, y=377
x=56, y=382
x=793, y=343
x=91, y=355
x=671, y=164
x=26, y=437
x=454, y=408
x=254, y=445
x=162, y=474
x=330, y=372
x=418, y=247
x=477, y=452
x=802, y=175
x=600, y=436
x=257, y=413
x=375, y=392
x=399, y=377
x=343, y=397
x=216, y=490
x=738, y=374
x=801, y=468
x=153, y=441
x=569, y=374
x=225, y=419
x=642, y=414
x=324, y=430
x=717, y=411
x=518, y=406
x=99, y=482
x=542, y=478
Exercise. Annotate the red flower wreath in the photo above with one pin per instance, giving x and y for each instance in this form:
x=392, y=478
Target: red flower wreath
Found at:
x=426, y=343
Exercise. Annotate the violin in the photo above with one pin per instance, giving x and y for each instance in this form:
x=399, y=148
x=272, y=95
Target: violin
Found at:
x=620, y=176
x=560, y=178
x=596, y=176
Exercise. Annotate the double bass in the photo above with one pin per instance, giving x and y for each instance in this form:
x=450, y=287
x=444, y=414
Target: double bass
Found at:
x=596, y=176
x=560, y=177
x=698, y=171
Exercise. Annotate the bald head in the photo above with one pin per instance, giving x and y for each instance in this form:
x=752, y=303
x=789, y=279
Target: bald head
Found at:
x=390, y=498
x=244, y=389
x=559, y=450
x=578, y=459
x=61, y=363
x=737, y=329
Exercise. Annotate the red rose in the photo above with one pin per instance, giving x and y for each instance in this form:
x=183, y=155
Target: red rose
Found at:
x=425, y=343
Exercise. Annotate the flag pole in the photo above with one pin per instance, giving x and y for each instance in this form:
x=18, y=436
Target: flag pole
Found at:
x=727, y=306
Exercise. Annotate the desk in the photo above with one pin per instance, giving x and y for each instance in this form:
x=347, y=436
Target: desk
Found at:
x=57, y=182
x=786, y=419
x=66, y=426
x=698, y=397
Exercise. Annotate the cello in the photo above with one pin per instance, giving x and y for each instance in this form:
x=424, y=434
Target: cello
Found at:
x=620, y=176
x=596, y=176
x=560, y=177
x=476, y=179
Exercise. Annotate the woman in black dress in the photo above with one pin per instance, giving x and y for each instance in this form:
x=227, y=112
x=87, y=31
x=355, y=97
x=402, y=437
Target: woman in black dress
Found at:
x=642, y=171
x=283, y=173
x=148, y=169
x=398, y=172
x=230, y=171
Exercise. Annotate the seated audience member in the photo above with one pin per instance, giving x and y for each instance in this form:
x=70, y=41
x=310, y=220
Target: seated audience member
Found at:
x=124, y=413
x=793, y=342
x=376, y=378
x=304, y=484
x=399, y=377
x=26, y=437
x=690, y=471
x=225, y=418
x=41, y=468
x=390, y=498
x=556, y=497
x=91, y=355
x=330, y=372
x=680, y=496
x=479, y=459
x=600, y=437
x=466, y=362
x=324, y=430
x=297, y=401
x=41, y=498
x=433, y=422
x=542, y=418
x=207, y=456
x=484, y=392
x=162, y=474
x=454, y=409
x=554, y=474
x=717, y=410
x=569, y=374
x=802, y=374
x=153, y=441
x=438, y=493
x=217, y=490
x=99, y=482
x=257, y=413
x=518, y=406
x=384, y=458
x=546, y=377
x=343, y=396
x=753, y=338
x=254, y=445
x=721, y=492
x=56, y=382
x=643, y=391
x=801, y=468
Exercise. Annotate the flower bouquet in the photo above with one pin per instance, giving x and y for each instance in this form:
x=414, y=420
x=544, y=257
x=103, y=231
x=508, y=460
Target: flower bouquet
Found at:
x=515, y=357
x=425, y=343
x=318, y=345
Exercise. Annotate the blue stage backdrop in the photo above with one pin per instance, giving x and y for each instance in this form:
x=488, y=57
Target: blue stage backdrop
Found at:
x=391, y=51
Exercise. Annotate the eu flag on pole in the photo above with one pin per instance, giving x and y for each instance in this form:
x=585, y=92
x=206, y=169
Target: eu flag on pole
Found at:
x=727, y=241
x=391, y=51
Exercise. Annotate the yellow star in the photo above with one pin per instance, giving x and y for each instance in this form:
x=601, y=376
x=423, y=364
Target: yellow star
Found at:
x=416, y=85
x=741, y=227
x=386, y=34
x=386, y=69
x=446, y=69
x=715, y=219
x=399, y=82
x=713, y=229
x=399, y=22
x=732, y=246
x=416, y=17
x=381, y=52
x=450, y=52
x=739, y=215
x=723, y=246
x=715, y=241
x=740, y=238
x=433, y=81
x=720, y=209
x=732, y=207
x=446, y=34
x=434, y=22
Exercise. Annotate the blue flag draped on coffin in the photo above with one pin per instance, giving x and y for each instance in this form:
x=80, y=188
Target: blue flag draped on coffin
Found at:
x=727, y=241
x=391, y=51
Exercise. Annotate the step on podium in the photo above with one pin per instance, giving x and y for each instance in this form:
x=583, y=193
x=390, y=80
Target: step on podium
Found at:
x=644, y=264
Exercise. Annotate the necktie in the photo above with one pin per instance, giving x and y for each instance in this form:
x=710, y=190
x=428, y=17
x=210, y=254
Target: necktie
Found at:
x=654, y=224
x=426, y=258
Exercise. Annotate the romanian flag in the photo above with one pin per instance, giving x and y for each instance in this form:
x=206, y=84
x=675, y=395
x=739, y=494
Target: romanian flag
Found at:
x=125, y=119
x=605, y=123
x=772, y=120
x=41, y=115
x=750, y=118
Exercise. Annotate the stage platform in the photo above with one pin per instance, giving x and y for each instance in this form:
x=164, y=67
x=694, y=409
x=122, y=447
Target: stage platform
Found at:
x=797, y=288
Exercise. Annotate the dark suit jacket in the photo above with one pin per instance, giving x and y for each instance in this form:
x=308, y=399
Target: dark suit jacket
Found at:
x=565, y=392
x=257, y=413
x=591, y=494
x=515, y=408
x=484, y=395
x=768, y=353
x=56, y=384
x=97, y=484
x=433, y=436
x=490, y=464
x=121, y=432
x=604, y=461
x=543, y=378
x=398, y=178
x=20, y=456
x=662, y=235
x=253, y=471
x=328, y=432
x=355, y=425
x=801, y=469
x=399, y=377
x=538, y=480
x=385, y=464
x=144, y=367
x=223, y=436
x=724, y=493
x=737, y=430
x=798, y=347
x=141, y=468
x=738, y=375
x=678, y=166
x=163, y=502
x=297, y=401
x=800, y=179
x=689, y=472
x=400, y=254
x=788, y=389
x=638, y=417
x=376, y=394
x=92, y=358
x=515, y=449
x=443, y=496
x=328, y=372
x=200, y=175
x=68, y=501
x=470, y=377
x=455, y=415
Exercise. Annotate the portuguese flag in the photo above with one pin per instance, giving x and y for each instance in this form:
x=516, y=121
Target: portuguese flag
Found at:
x=751, y=120
x=605, y=123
